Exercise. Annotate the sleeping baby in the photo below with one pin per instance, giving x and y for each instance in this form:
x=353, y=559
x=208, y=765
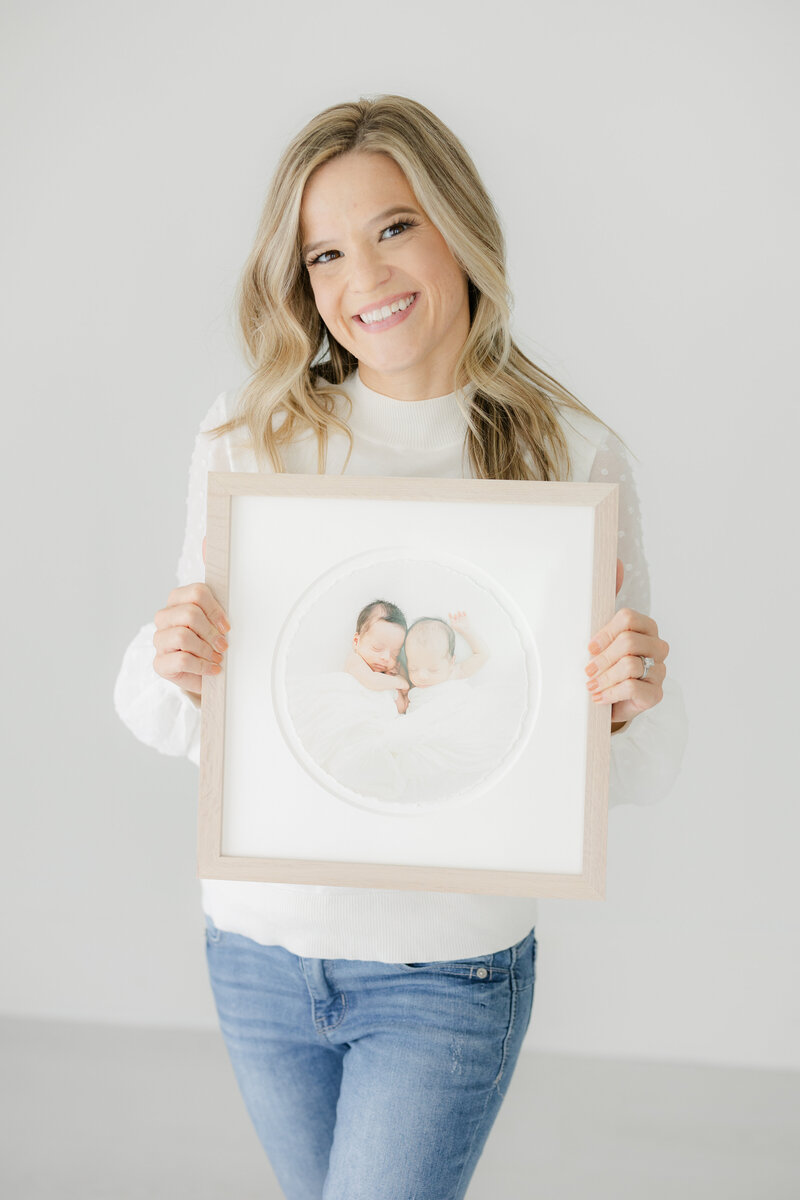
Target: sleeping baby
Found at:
x=377, y=642
x=430, y=648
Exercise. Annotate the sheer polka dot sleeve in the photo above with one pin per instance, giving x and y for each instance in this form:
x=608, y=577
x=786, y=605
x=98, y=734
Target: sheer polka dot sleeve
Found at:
x=156, y=711
x=646, y=754
x=191, y=568
x=612, y=465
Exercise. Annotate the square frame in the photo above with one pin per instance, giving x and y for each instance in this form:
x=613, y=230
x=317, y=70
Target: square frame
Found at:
x=575, y=523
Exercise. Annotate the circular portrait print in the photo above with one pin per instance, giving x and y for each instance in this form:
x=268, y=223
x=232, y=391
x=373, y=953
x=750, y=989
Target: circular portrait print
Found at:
x=403, y=683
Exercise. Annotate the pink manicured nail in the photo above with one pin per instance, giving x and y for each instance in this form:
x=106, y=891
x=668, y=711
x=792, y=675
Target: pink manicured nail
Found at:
x=591, y=669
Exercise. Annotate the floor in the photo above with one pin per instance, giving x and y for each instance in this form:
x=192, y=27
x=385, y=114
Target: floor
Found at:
x=103, y=1113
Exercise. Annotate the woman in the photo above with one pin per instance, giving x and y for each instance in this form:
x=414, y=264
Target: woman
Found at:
x=374, y=1033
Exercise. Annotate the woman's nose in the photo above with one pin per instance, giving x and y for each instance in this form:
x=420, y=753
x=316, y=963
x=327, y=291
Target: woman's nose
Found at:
x=368, y=272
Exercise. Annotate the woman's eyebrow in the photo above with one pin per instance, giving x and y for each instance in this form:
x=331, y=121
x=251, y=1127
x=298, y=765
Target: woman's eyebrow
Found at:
x=387, y=212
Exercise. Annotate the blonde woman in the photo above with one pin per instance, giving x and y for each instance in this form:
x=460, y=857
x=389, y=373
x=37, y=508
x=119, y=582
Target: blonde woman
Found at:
x=374, y=1033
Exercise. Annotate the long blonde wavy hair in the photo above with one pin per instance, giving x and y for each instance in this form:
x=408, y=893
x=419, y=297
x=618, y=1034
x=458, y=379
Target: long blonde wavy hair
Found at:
x=298, y=366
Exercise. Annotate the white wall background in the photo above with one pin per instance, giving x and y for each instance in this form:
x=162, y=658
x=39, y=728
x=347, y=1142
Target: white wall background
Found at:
x=643, y=159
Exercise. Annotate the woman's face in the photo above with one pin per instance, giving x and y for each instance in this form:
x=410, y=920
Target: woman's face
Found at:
x=369, y=247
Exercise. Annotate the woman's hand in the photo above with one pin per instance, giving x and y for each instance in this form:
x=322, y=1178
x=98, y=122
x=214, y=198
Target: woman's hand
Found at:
x=615, y=671
x=188, y=638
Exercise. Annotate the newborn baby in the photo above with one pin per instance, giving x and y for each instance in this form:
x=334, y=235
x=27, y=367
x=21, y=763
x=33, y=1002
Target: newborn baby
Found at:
x=454, y=732
x=377, y=642
x=430, y=650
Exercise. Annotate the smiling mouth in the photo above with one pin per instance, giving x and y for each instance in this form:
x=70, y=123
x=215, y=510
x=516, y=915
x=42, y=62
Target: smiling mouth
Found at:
x=388, y=314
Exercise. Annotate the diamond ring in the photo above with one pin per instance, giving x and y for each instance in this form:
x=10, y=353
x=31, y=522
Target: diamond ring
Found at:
x=647, y=663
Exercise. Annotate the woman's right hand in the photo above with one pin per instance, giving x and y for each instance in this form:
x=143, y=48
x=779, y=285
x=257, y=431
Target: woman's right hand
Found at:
x=188, y=638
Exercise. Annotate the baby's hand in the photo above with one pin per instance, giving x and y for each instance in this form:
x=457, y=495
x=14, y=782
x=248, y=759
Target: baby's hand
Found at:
x=459, y=621
x=466, y=667
x=397, y=673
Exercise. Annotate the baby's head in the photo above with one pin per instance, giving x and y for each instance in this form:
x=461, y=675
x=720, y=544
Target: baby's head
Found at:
x=380, y=632
x=430, y=651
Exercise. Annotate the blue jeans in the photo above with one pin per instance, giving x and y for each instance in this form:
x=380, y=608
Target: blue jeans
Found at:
x=370, y=1080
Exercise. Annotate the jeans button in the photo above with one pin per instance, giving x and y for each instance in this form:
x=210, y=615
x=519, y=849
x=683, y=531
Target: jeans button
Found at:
x=481, y=972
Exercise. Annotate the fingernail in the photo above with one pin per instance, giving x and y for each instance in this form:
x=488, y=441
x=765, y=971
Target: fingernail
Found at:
x=220, y=644
x=592, y=684
x=223, y=625
x=591, y=669
x=594, y=646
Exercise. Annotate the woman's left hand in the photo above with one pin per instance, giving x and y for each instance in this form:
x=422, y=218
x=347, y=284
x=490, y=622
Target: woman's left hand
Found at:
x=615, y=672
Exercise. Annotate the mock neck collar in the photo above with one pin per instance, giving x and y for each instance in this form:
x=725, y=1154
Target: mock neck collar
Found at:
x=413, y=424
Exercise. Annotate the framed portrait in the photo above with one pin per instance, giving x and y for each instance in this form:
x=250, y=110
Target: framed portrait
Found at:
x=403, y=703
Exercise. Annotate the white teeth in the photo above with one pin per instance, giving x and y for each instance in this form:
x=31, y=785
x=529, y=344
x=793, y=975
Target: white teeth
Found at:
x=380, y=314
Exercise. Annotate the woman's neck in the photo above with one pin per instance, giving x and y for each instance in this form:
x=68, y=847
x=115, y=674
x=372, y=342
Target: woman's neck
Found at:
x=422, y=384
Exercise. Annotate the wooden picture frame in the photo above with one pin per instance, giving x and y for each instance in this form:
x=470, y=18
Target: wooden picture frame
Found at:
x=494, y=783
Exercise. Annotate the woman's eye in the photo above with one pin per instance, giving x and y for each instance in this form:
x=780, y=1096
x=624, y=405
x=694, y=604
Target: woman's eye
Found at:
x=323, y=257
x=401, y=225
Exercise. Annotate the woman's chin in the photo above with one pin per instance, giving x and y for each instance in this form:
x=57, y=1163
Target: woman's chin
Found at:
x=391, y=362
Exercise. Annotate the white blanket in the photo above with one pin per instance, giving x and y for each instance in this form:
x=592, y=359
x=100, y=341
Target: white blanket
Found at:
x=452, y=736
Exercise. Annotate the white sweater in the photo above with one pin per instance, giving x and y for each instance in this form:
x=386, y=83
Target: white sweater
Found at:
x=410, y=438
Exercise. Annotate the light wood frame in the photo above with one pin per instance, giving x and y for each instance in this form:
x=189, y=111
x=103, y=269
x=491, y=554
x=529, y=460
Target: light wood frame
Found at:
x=483, y=499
